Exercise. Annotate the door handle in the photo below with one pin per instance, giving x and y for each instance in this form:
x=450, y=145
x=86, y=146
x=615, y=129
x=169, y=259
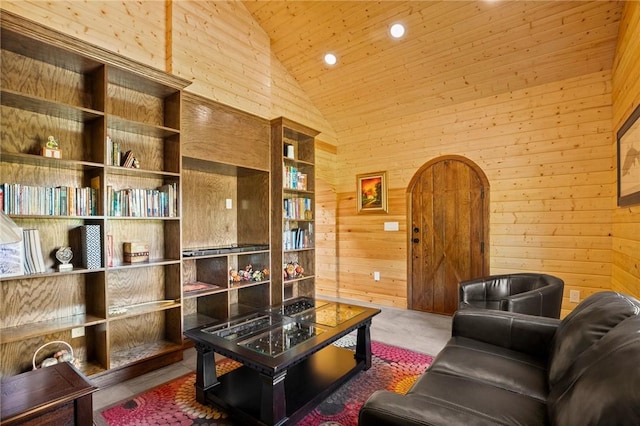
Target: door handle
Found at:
x=416, y=230
x=416, y=240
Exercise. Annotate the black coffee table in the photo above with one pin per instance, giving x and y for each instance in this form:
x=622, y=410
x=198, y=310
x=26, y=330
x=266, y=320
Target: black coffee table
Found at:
x=288, y=361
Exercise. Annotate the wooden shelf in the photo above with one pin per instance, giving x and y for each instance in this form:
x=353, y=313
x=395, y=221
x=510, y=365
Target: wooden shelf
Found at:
x=150, y=263
x=40, y=161
x=142, y=309
x=129, y=126
x=129, y=356
x=126, y=171
x=35, y=329
x=205, y=289
x=53, y=274
x=43, y=106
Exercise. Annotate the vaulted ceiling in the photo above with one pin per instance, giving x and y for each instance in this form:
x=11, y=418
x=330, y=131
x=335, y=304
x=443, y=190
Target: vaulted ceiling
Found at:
x=453, y=51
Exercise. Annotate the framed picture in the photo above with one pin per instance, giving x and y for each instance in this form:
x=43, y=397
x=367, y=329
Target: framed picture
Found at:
x=628, y=138
x=372, y=192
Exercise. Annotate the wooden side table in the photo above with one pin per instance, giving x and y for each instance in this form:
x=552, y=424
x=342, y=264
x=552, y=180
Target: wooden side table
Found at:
x=56, y=395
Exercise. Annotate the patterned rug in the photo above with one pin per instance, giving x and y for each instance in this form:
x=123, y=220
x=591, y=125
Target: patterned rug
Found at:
x=173, y=403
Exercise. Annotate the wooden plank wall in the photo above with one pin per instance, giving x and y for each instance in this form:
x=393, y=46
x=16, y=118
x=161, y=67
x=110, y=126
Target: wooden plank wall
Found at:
x=547, y=154
x=626, y=96
x=547, y=151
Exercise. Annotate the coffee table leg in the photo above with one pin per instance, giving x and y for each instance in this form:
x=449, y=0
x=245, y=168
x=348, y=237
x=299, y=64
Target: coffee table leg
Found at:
x=206, y=376
x=273, y=406
x=363, y=345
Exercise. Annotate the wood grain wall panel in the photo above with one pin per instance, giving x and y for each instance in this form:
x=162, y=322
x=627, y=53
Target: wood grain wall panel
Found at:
x=226, y=55
x=132, y=29
x=240, y=138
x=289, y=100
x=326, y=220
x=547, y=154
x=625, y=275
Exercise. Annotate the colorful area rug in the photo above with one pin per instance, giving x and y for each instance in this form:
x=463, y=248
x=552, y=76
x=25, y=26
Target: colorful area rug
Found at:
x=173, y=403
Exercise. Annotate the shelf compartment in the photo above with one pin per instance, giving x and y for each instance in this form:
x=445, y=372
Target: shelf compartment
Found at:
x=196, y=320
x=43, y=106
x=78, y=82
x=35, y=329
x=246, y=222
x=206, y=308
x=140, y=291
x=70, y=301
x=141, y=337
x=124, y=311
x=89, y=350
x=139, y=128
x=161, y=234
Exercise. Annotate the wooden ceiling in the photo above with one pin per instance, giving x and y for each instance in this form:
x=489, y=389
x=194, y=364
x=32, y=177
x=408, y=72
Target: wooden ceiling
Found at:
x=453, y=51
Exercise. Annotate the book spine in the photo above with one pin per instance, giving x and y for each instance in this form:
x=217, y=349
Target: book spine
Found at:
x=91, y=246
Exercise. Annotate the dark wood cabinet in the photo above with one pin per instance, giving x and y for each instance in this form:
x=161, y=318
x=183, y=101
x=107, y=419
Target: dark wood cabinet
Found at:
x=55, y=395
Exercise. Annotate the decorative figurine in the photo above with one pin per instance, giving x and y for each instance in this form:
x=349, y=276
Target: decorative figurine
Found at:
x=64, y=256
x=51, y=148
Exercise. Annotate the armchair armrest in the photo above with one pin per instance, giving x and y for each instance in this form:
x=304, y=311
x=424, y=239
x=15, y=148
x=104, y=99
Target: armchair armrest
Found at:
x=543, y=301
x=520, y=332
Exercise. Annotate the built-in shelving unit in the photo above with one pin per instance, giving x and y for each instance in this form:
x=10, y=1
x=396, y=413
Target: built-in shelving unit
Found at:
x=115, y=316
x=226, y=209
x=293, y=220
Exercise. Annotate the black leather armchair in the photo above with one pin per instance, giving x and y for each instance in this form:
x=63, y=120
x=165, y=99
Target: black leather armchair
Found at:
x=526, y=293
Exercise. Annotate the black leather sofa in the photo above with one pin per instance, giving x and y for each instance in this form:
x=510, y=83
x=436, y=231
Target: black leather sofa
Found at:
x=506, y=368
x=528, y=293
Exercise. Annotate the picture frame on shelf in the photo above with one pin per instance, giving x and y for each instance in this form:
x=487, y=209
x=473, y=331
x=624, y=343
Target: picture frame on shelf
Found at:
x=628, y=144
x=372, y=193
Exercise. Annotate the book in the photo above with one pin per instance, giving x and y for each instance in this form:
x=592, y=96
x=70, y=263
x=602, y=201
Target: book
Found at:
x=91, y=246
x=33, y=259
x=109, y=250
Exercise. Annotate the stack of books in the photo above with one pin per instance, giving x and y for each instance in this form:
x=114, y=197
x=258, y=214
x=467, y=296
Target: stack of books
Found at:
x=33, y=259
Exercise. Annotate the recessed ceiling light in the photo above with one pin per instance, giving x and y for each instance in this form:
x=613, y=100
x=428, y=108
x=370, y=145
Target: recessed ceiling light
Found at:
x=396, y=30
x=330, y=59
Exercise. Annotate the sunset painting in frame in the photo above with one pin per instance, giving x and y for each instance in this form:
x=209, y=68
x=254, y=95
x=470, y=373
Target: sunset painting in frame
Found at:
x=372, y=192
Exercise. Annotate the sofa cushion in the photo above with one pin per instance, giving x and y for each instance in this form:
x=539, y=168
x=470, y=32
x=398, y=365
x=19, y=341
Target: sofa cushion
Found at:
x=505, y=368
x=602, y=386
x=585, y=325
x=484, y=402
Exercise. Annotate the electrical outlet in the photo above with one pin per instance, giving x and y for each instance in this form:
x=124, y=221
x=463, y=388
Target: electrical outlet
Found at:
x=376, y=276
x=228, y=203
x=77, y=332
x=574, y=296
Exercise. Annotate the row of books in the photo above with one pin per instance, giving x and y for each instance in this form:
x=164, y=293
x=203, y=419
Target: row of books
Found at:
x=33, y=259
x=292, y=178
x=18, y=199
x=296, y=239
x=137, y=202
x=297, y=208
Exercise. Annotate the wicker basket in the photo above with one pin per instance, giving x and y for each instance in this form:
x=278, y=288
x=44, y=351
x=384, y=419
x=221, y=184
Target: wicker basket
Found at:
x=55, y=342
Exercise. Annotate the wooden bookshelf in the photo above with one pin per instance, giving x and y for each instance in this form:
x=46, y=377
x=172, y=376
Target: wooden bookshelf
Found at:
x=86, y=93
x=292, y=153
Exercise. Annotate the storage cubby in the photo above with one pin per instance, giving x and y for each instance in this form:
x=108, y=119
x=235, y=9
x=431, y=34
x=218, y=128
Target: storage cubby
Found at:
x=135, y=337
x=226, y=230
x=293, y=221
x=84, y=95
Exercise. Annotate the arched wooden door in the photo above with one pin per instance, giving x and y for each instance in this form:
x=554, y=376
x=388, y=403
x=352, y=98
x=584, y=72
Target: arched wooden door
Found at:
x=449, y=232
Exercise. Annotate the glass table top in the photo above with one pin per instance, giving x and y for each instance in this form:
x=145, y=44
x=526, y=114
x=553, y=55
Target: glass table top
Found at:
x=280, y=339
x=279, y=329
